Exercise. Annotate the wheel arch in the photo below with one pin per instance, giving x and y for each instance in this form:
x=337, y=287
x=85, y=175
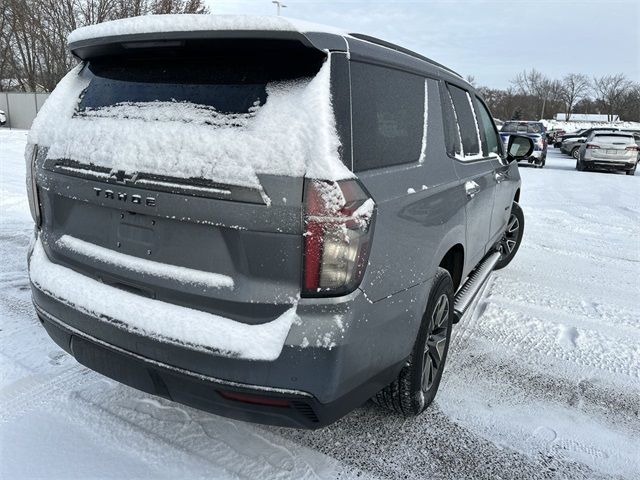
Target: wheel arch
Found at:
x=453, y=262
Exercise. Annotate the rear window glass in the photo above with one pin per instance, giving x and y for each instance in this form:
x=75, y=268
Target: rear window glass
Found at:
x=388, y=116
x=225, y=84
x=614, y=138
x=512, y=127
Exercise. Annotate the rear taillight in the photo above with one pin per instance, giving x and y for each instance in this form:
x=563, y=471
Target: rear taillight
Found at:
x=592, y=146
x=634, y=148
x=30, y=156
x=337, y=219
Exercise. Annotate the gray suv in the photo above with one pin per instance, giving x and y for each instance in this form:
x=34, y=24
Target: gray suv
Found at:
x=269, y=221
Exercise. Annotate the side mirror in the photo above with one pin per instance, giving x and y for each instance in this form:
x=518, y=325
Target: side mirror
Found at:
x=519, y=147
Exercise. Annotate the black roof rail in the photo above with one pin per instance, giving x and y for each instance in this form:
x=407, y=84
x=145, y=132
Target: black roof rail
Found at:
x=398, y=48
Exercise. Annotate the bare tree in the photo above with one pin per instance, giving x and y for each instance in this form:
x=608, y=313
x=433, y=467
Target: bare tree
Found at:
x=471, y=80
x=551, y=91
x=575, y=86
x=33, y=33
x=529, y=82
x=610, y=91
x=536, y=85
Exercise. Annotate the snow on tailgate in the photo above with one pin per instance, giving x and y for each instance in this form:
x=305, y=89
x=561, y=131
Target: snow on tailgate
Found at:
x=292, y=134
x=147, y=267
x=164, y=321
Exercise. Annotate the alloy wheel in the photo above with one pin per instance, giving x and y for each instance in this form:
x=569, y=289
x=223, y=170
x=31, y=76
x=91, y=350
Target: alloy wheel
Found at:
x=510, y=236
x=434, y=348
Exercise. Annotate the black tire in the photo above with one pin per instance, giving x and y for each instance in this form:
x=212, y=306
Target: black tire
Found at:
x=413, y=390
x=631, y=172
x=512, y=237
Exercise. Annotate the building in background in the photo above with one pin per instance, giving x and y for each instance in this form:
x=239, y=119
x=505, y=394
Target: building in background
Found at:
x=587, y=117
x=21, y=108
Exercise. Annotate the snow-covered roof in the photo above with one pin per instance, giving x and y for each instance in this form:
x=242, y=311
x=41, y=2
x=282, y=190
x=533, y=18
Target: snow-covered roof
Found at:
x=196, y=23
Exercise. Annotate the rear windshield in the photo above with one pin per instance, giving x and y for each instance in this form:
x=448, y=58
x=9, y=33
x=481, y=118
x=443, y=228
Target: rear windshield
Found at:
x=621, y=139
x=511, y=127
x=226, y=84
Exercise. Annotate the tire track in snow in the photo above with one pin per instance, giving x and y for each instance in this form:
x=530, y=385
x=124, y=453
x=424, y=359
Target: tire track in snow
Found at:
x=531, y=335
x=207, y=440
x=534, y=411
x=623, y=326
x=590, y=303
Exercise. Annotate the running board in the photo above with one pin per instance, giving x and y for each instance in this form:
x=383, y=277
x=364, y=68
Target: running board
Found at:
x=464, y=297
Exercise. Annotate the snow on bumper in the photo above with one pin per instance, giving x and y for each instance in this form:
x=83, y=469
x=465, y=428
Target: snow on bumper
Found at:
x=163, y=321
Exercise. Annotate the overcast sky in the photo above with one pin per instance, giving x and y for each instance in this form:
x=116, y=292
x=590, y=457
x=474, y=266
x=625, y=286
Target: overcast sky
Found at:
x=491, y=40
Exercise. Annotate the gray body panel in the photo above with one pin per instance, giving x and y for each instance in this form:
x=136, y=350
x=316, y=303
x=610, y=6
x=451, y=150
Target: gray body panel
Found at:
x=260, y=247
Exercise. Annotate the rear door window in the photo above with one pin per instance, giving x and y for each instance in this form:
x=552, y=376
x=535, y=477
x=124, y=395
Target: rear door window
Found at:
x=489, y=135
x=388, y=108
x=465, y=116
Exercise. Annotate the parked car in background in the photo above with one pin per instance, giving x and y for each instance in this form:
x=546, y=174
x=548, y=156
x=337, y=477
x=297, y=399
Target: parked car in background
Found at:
x=557, y=141
x=585, y=132
x=553, y=134
x=635, y=133
x=535, y=131
x=611, y=151
x=571, y=145
x=3, y=118
x=259, y=277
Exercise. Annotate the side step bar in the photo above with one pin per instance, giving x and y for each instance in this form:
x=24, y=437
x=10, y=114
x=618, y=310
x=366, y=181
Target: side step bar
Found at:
x=465, y=295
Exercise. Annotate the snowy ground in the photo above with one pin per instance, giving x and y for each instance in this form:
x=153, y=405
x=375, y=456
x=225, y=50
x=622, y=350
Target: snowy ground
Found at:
x=543, y=381
x=572, y=126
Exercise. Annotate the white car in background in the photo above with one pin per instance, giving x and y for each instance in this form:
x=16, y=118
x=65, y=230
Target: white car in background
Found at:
x=609, y=151
x=3, y=118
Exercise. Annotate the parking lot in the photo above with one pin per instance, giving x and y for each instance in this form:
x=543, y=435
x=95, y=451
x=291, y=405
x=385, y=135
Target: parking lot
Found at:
x=542, y=381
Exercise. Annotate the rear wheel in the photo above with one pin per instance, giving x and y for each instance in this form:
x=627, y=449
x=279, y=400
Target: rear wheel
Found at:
x=512, y=237
x=575, y=153
x=418, y=381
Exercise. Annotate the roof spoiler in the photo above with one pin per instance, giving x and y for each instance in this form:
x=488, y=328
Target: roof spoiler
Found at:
x=125, y=44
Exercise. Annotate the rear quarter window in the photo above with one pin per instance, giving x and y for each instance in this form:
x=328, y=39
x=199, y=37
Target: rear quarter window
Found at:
x=388, y=108
x=490, y=138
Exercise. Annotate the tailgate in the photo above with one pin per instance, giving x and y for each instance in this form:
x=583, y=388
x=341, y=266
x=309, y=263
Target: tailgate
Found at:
x=180, y=177
x=164, y=246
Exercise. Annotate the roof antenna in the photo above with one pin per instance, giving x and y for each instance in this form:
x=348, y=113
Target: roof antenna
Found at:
x=280, y=4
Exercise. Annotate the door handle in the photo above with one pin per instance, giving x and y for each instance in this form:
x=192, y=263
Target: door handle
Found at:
x=471, y=188
x=499, y=177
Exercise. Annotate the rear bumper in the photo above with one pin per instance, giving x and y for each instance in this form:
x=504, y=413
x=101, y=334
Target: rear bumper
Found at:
x=535, y=157
x=340, y=353
x=282, y=407
x=609, y=165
